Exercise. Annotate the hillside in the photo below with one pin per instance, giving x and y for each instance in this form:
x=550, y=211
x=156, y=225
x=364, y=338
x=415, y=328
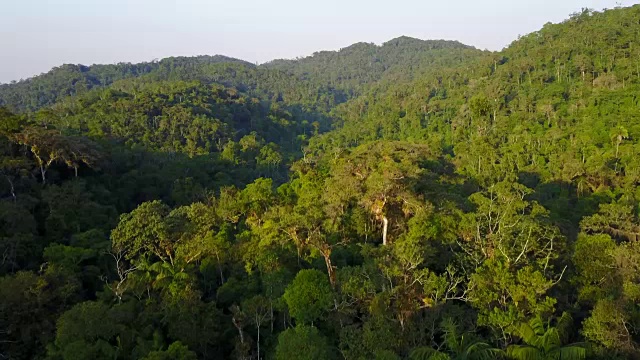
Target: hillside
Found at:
x=544, y=97
x=69, y=79
x=413, y=200
x=337, y=75
x=361, y=64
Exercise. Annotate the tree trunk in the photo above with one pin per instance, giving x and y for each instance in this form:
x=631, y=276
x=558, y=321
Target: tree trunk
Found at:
x=220, y=269
x=326, y=254
x=617, y=158
x=13, y=191
x=271, y=314
x=258, y=342
x=239, y=327
x=385, y=227
x=43, y=173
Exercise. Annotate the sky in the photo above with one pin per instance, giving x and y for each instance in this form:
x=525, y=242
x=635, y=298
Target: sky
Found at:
x=36, y=35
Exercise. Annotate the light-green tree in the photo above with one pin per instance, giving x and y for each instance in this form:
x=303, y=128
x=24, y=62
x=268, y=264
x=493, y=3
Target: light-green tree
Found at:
x=303, y=343
x=309, y=296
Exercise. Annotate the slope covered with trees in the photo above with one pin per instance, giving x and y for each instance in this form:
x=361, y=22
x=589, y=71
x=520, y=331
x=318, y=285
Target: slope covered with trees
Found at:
x=68, y=79
x=415, y=200
x=327, y=78
x=353, y=68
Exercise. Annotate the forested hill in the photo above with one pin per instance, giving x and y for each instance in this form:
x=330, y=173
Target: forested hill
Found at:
x=69, y=80
x=414, y=200
x=550, y=105
x=355, y=66
x=336, y=74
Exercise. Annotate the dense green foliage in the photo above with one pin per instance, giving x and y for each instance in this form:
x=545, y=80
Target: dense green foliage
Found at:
x=78, y=79
x=414, y=200
x=353, y=68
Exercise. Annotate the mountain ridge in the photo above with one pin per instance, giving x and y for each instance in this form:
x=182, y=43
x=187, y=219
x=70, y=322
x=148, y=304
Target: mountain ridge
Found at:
x=72, y=79
x=215, y=58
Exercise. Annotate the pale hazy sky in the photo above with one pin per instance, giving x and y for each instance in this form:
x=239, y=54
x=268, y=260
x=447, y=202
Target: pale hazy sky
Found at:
x=36, y=35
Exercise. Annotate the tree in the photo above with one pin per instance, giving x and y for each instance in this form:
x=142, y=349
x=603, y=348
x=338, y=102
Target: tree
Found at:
x=594, y=260
x=87, y=331
x=507, y=225
x=583, y=64
x=145, y=230
x=30, y=305
x=18, y=230
x=505, y=296
x=308, y=296
x=302, y=343
x=618, y=134
x=80, y=150
x=192, y=321
x=481, y=110
x=270, y=158
x=72, y=209
x=380, y=177
x=301, y=217
x=546, y=343
x=610, y=326
x=171, y=278
x=460, y=346
x=466, y=346
x=9, y=122
x=201, y=234
x=427, y=353
x=616, y=219
x=257, y=309
x=47, y=146
x=175, y=351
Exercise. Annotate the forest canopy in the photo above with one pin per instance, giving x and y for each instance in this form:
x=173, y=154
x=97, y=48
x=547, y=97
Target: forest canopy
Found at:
x=411, y=200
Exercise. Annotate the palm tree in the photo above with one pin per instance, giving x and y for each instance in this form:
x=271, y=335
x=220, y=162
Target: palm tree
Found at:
x=143, y=276
x=168, y=275
x=546, y=344
x=427, y=353
x=581, y=183
x=617, y=135
x=460, y=347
